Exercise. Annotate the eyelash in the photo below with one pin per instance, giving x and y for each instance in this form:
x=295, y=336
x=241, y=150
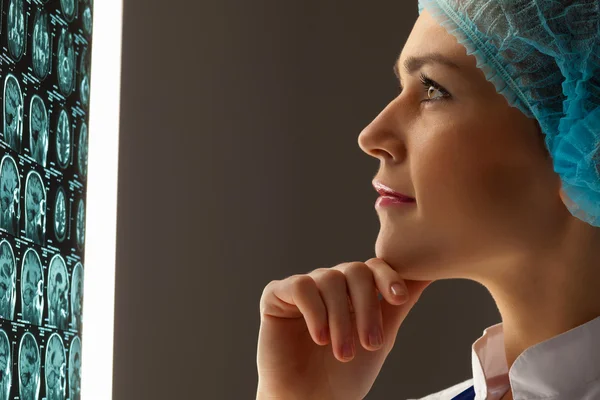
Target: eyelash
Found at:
x=427, y=83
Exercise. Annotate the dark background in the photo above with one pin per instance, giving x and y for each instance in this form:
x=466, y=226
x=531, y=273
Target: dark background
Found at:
x=239, y=164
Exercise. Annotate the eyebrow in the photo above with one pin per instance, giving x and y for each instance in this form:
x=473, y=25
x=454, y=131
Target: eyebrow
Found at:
x=412, y=63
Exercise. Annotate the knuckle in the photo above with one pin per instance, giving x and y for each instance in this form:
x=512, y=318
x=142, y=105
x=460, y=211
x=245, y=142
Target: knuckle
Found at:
x=333, y=277
x=268, y=288
x=358, y=270
x=266, y=299
x=271, y=308
x=301, y=284
x=375, y=264
x=318, y=271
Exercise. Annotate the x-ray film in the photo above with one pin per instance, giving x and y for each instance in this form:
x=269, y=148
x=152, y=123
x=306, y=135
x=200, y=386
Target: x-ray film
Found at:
x=41, y=52
x=63, y=140
x=60, y=214
x=66, y=62
x=45, y=77
x=35, y=204
x=8, y=280
x=38, y=130
x=29, y=368
x=68, y=8
x=84, y=85
x=32, y=285
x=13, y=112
x=83, y=150
x=15, y=24
x=5, y=366
x=87, y=19
x=77, y=296
x=10, y=195
x=80, y=224
x=58, y=290
x=75, y=369
x=55, y=368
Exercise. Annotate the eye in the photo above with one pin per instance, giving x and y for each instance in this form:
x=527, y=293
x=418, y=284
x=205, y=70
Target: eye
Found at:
x=429, y=83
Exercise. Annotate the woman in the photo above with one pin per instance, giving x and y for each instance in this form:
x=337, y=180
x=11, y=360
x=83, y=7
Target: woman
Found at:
x=495, y=140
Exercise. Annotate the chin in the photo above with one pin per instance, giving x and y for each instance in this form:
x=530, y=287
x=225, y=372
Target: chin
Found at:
x=412, y=260
x=399, y=253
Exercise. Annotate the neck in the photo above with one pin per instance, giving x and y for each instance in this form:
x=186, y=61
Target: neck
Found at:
x=543, y=295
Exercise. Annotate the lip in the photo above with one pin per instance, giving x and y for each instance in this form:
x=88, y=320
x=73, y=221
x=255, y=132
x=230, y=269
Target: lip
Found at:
x=384, y=190
x=389, y=201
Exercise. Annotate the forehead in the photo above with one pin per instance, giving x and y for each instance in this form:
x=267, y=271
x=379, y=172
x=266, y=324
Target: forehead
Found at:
x=427, y=36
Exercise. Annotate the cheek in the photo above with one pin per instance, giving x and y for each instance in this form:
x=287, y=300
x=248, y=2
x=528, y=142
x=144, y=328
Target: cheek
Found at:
x=473, y=182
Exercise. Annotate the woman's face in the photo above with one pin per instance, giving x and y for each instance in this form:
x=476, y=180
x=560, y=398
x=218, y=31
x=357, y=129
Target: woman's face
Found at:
x=484, y=185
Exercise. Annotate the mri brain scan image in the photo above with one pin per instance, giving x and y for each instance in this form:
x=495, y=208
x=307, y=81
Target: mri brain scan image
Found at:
x=29, y=366
x=32, y=288
x=15, y=25
x=87, y=20
x=80, y=225
x=41, y=44
x=10, y=192
x=75, y=369
x=66, y=62
x=84, y=69
x=82, y=158
x=8, y=280
x=63, y=140
x=77, y=296
x=13, y=112
x=58, y=292
x=68, y=9
x=38, y=130
x=5, y=366
x=60, y=215
x=45, y=80
x=55, y=368
x=35, y=208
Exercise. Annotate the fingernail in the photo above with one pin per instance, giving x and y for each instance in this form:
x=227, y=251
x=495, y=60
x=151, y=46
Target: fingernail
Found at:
x=399, y=291
x=375, y=337
x=347, y=349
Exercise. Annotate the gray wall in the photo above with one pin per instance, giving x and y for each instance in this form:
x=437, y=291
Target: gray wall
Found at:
x=239, y=119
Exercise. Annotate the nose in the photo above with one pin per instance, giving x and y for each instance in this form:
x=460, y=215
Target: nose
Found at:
x=382, y=138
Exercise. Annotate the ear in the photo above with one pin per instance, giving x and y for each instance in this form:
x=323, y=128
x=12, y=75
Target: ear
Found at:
x=563, y=196
x=570, y=204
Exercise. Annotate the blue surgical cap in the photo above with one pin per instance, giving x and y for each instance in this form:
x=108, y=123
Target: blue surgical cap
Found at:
x=544, y=57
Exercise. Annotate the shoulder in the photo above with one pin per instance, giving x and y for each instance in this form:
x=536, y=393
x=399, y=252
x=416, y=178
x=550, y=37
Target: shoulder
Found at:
x=448, y=393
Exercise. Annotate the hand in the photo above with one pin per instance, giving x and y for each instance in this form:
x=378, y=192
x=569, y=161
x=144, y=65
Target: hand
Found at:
x=308, y=320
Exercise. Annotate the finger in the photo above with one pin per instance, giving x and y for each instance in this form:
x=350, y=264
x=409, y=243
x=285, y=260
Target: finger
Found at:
x=294, y=297
x=394, y=311
x=388, y=281
x=363, y=296
x=332, y=286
